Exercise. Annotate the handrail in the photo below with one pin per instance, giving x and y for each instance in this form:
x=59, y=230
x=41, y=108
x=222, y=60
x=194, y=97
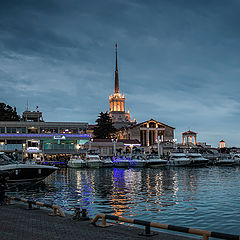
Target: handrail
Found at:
x=205, y=234
x=56, y=209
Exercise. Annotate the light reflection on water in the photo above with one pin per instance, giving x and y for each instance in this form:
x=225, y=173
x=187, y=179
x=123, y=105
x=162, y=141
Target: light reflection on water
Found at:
x=206, y=198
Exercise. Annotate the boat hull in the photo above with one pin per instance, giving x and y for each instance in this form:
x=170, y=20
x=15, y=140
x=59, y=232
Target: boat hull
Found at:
x=27, y=173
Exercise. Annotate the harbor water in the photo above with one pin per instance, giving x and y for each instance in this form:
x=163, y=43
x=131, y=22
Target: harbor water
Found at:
x=206, y=198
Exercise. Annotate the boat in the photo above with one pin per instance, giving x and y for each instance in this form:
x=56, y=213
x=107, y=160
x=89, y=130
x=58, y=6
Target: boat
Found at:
x=179, y=160
x=107, y=162
x=225, y=162
x=197, y=159
x=236, y=158
x=137, y=161
x=76, y=162
x=155, y=162
x=121, y=162
x=93, y=161
x=21, y=173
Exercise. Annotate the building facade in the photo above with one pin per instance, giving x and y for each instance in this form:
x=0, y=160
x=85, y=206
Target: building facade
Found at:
x=120, y=117
x=32, y=135
x=148, y=133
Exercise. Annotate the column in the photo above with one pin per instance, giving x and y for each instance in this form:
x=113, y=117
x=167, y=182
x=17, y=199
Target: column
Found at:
x=155, y=135
x=147, y=137
x=195, y=140
x=191, y=139
x=183, y=140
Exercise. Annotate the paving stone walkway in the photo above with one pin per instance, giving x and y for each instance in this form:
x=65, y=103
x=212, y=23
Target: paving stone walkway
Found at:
x=18, y=223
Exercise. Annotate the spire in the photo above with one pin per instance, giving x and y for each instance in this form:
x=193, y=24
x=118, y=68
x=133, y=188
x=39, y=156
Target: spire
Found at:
x=116, y=88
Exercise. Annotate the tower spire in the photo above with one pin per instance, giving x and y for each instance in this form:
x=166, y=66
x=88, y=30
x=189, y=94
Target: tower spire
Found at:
x=116, y=88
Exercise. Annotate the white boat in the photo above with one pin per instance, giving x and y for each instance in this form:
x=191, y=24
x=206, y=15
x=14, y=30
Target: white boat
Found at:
x=76, y=162
x=107, y=162
x=236, y=158
x=225, y=162
x=21, y=173
x=121, y=162
x=155, y=161
x=137, y=161
x=93, y=161
x=179, y=160
x=197, y=159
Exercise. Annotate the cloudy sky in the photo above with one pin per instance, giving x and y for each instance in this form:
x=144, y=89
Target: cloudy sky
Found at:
x=179, y=61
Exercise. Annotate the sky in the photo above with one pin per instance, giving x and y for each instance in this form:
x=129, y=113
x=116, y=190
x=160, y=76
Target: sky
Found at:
x=178, y=61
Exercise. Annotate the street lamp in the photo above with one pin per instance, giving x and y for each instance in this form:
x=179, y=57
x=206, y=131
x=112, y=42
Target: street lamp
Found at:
x=114, y=146
x=159, y=150
x=90, y=145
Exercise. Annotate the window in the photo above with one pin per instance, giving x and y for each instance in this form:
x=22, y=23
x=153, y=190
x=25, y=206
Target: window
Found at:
x=2, y=130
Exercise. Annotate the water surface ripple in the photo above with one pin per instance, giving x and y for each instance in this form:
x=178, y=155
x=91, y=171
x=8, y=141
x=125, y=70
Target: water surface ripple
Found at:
x=206, y=198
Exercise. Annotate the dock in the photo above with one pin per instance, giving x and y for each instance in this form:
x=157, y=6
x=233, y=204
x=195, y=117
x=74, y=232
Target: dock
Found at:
x=19, y=223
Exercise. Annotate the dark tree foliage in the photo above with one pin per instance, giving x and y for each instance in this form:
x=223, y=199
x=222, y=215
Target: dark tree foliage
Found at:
x=7, y=113
x=104, y=127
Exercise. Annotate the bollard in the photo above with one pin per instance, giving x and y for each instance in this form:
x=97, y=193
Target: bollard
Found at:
x=84, y=214
x=147, y=232
x=77, y=215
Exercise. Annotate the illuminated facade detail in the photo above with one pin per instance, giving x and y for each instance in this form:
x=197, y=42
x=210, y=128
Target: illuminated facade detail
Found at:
x=222, y=144
x=117, y=103
x=189, y=137
x=148, y=133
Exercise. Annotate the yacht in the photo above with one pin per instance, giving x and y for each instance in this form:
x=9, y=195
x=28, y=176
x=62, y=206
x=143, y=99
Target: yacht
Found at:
x=197, y=159
x=21, y=173
x=236, y=158
x=179, y=160
x=76, y=162
x=225, y=162
x=155, y=162
x=107, y=162
x=93, y=161
x=137, y=161
x=122, y=162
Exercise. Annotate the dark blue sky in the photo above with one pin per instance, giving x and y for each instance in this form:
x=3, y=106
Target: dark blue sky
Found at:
x=178, y=61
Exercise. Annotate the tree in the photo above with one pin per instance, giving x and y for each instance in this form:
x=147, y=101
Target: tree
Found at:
x=104, y=128
x=7, y=113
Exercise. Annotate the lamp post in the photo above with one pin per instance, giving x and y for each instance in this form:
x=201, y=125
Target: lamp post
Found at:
x=90, y=145
x=114, y=146
x=158, y=142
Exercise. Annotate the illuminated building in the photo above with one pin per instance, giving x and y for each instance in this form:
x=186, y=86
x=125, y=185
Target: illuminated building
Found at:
x=120, y=117
x=148, y=133
x=32, y=133
x=222, y=144
x=189, y=137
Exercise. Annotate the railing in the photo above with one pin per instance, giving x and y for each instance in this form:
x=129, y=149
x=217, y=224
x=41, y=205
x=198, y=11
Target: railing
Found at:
x=56, y=209
x=205, y=234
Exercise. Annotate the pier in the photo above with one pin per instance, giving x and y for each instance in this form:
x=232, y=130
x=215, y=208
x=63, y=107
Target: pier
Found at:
x=17, y=222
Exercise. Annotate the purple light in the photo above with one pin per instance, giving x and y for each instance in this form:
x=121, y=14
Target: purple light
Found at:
x=45, y=135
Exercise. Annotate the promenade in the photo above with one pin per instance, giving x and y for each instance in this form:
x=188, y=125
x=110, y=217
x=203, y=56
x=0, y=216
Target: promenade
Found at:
x=18, y=223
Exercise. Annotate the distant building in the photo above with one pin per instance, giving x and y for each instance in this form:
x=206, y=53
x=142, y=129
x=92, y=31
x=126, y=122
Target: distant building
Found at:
x=189, y=138
x=32, y=135
x=222, y=144
x=120, y=117
x=148, y=133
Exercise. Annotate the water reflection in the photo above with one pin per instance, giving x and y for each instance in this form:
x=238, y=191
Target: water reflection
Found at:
x=193, y=197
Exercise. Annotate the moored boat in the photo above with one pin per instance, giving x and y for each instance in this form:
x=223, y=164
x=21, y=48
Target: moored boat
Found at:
x=121, y=162
x=24, y=173
x=155, y=162
x=107, y=162
x=225, y=162
x=197, y=159
x=76, y=162
x=137, y=161
x=93, y=161
x=179, y=160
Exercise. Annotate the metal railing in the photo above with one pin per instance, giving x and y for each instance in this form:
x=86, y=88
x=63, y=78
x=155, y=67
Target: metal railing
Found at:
x=205, y=234
x=56, y=209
